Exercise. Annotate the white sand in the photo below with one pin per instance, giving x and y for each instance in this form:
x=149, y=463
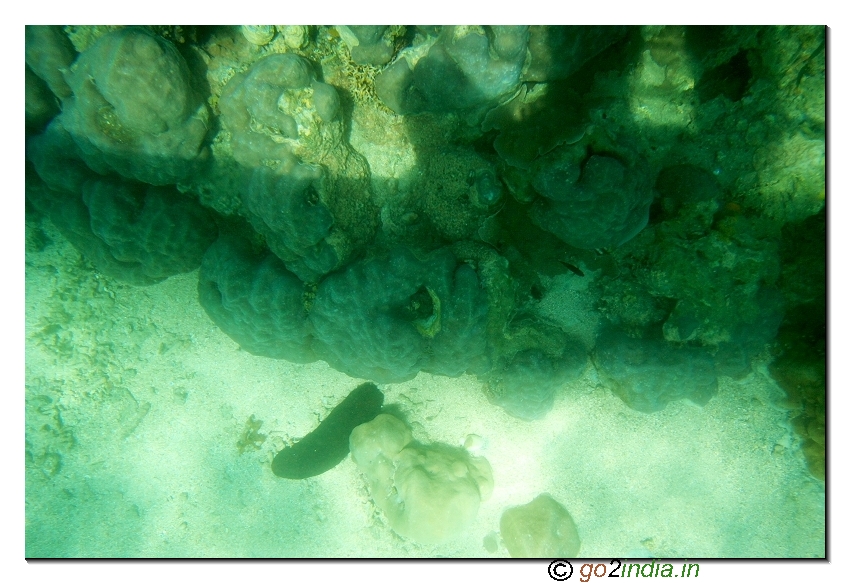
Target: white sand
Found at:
x=153, y=398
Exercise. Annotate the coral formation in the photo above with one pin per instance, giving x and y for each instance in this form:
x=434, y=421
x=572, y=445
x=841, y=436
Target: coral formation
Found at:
x=303, y=188
x=526, y=387
x=465, y=68
x=149, y=225
x=557, y=52
x=258, y=34
x=592, y=200
x=801, y=372
x=541, y=528
x=711, y=307
x=369, y=45
x=48, y=54
x=800, y=364
x=255, y=300
x=387, y=318
x=536, y=121
x=647, y=374
x=505, y=202
x=666, y=168
x=428, y=493
x=53, y=154
x=133, y=232
x=458, y=191
x=133, y=110
x=277, y=110
x=40, y=103
x=286, y=208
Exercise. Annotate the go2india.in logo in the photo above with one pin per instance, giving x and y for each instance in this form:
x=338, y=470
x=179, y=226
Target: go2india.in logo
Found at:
x=562, y=569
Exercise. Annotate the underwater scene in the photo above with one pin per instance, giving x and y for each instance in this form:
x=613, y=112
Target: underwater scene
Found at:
x=425, y=291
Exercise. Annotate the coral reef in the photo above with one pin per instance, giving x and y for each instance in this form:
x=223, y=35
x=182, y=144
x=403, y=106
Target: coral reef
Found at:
x=526, y=387
x=404, y=199
x=536, y=121
x=557, y=52
x=504, y=202
x=258, y=34
x=800, y=364
x=40, y=103
x=369, y=45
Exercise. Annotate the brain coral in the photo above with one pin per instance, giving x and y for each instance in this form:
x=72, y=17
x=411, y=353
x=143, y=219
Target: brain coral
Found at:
x=287, y=210
x=541, y=528
x=132, y=110
x=277, y=110
x=156, y=227
x=305, y=190
x=526, y=387
x=386, y=318
x=591, y=201
x=466, y=68
x=647, y=374
x=48, y=51
x=136, y=233
x=429, y=493
x=256, y=301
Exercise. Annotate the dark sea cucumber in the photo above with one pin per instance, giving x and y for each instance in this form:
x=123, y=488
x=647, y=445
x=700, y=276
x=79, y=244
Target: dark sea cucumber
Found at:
x=327, y=445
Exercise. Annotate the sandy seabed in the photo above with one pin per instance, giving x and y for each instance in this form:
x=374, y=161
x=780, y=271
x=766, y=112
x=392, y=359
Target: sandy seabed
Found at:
x=136, y=404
